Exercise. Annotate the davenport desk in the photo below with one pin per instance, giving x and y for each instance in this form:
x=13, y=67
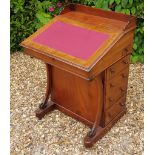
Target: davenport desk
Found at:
x=87, y=54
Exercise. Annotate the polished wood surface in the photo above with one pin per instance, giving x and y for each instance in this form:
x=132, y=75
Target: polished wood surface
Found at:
x=93, y=91
x=75, y=94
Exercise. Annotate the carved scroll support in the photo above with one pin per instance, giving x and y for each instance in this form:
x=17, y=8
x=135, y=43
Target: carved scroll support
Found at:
x=88, y=141
x=46, y=106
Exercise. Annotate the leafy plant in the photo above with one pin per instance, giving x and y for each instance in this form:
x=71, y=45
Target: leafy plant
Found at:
x=22, y=22
x=47, y=10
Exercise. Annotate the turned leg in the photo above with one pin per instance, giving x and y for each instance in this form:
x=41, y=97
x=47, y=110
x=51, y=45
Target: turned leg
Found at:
x=88, y=141
x=46, y=106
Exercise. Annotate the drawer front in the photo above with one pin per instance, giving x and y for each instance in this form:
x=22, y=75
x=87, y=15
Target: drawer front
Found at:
x=113, y=111
x=113, y=70
x=117, y=87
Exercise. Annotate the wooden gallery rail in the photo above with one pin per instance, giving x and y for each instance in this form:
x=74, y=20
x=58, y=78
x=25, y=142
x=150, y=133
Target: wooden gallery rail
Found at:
x=87, y=55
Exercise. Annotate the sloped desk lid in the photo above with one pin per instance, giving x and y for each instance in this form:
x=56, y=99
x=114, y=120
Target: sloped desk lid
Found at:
x=76, y=42
x=72, y=40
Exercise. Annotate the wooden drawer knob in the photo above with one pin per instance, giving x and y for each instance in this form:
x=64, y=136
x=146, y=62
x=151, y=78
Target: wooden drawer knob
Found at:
x=111, y=99
x=112, y=85
x=112, y=70
x=124, y=76
x=125, y=62
x=122, y=104
x=123, y=90
x=127, y=50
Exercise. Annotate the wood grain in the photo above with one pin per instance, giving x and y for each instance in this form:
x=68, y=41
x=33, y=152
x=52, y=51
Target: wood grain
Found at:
x=92, y=91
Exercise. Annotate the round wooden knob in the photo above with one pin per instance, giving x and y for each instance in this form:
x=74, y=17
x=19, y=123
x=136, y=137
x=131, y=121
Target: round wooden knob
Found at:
x=122, y=104
x=125, y=62
x=127, y=50
x=112, y=70
x=112, y=85
x=124, y=76
x=111, y=99
x=122, y=90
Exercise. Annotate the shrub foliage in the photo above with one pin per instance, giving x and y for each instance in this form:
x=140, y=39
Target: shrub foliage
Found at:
x=29, y=15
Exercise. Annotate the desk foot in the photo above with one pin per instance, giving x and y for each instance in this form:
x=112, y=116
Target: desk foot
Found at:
x=91, y=139
x=41, y=112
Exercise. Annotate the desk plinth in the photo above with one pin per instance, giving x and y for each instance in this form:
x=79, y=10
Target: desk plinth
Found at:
x=87, y=55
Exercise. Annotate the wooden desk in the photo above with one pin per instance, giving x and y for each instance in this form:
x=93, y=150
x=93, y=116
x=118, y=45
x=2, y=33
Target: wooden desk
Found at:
x=87, y=55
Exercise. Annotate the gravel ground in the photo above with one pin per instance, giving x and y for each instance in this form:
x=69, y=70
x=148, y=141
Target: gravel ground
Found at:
x=58, y=134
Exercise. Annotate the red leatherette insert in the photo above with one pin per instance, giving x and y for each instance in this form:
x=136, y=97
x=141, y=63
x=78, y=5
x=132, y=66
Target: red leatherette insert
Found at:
x=72, y=40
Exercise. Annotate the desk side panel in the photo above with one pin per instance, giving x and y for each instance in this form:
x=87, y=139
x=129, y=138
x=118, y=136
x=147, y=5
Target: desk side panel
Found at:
x=75, y=94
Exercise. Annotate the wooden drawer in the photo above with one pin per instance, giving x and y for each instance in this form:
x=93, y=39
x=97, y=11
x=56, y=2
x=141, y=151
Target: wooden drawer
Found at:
x=117, y=87
x=113, y=111
x=113, y=70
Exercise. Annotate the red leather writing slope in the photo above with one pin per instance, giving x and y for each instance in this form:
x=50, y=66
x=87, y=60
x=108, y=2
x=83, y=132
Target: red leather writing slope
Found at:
x=72, y=40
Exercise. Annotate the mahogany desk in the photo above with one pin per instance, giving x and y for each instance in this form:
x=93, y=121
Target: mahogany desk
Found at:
x=87, y=53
